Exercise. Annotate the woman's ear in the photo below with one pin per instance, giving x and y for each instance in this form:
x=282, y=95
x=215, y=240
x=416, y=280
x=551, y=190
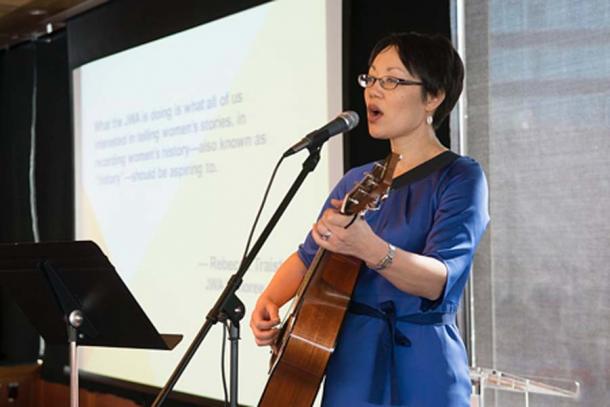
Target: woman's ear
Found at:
x=434, y=101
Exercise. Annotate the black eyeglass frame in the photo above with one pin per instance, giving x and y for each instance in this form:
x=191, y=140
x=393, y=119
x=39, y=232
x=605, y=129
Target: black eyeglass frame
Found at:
x=384, y=81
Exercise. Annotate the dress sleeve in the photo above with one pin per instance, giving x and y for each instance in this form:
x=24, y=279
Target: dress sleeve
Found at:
x=459, y=223
x=308, y=249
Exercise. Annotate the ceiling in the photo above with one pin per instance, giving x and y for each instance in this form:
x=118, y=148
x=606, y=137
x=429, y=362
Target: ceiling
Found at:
x=22, y=20
x=6, y=6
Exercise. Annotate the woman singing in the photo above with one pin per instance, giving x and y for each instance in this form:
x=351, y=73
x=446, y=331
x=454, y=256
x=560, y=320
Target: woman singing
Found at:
x=399, y=345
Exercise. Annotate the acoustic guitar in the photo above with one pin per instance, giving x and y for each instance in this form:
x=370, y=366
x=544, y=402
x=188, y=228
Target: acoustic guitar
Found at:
x=309, y=333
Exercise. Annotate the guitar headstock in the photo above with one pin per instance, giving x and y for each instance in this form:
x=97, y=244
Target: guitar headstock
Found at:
x=372, y=189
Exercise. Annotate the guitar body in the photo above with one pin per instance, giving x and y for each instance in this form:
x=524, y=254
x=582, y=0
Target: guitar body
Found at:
x=310, y=334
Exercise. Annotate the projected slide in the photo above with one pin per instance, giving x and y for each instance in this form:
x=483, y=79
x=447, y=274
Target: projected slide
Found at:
x=174, y=143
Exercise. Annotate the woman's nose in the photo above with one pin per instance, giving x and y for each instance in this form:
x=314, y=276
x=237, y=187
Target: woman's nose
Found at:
x=374, y=91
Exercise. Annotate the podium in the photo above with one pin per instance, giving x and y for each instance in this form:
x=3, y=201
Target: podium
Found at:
x=484, y=378
x=72, y=294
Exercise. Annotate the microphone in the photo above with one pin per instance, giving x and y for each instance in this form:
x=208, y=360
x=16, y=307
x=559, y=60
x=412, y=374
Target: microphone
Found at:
x=342, y=123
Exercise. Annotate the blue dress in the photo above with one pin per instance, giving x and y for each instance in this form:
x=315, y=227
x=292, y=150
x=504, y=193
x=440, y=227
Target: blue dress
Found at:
x=397, y=349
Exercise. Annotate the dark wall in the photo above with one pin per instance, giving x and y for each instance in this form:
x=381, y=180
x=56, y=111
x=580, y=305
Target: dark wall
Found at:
x=54, y=167
x=15, y=122
x=34, y=97
x=18, y=340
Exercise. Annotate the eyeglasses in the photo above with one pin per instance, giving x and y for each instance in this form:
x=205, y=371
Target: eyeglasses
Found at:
x=386, y=82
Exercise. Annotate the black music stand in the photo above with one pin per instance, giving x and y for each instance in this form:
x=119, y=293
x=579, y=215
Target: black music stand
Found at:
x=71, y=293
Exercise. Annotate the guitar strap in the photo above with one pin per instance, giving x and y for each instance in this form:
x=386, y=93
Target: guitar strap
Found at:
x=424, y=169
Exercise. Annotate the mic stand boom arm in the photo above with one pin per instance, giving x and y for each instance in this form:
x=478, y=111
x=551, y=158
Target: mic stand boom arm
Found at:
x=228, y=305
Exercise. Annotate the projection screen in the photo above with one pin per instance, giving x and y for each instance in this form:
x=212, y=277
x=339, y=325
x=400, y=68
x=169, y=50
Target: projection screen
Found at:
x=174, y=143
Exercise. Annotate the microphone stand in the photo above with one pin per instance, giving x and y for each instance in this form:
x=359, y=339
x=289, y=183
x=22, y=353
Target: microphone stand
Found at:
x=228, y=306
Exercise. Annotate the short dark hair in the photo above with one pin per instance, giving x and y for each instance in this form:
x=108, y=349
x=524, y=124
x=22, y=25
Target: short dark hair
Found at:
x=433, y=60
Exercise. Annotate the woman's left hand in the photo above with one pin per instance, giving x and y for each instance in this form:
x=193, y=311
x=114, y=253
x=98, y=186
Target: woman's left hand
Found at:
x=330, y=233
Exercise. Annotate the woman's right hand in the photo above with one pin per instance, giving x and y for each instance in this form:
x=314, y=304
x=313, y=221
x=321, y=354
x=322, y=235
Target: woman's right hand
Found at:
x=264, y=321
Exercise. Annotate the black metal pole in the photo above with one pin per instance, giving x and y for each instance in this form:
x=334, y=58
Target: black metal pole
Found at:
x=234, y=339
x=228, y=294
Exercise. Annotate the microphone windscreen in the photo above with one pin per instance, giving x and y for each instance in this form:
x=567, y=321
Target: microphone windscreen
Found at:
x=351, y=118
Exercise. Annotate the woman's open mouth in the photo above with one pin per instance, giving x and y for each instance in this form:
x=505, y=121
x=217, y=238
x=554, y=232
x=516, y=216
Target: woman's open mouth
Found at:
x=373, y=113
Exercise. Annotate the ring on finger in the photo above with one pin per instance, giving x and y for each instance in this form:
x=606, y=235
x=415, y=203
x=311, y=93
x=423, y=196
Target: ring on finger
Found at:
x=326, y=235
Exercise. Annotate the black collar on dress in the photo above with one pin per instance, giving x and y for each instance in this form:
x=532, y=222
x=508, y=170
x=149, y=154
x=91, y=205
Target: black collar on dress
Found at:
x=424, y=169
